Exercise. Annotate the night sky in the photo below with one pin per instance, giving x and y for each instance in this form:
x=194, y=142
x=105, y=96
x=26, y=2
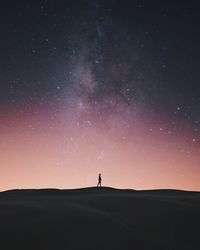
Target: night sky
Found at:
x=110, y=87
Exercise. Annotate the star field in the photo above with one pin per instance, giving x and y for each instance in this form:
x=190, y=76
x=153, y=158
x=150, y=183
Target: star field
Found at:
x=99, y=86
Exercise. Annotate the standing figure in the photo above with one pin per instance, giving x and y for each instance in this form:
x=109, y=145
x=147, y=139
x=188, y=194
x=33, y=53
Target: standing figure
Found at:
x=99, y=181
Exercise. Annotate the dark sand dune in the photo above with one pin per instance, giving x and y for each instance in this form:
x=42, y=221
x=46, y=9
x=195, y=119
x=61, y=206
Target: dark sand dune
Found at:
x=99, y=219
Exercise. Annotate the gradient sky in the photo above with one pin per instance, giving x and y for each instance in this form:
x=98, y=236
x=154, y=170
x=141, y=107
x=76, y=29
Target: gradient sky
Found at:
x=89, y=87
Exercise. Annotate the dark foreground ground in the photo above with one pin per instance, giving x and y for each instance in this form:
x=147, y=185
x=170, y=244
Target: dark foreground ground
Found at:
x=99, y=219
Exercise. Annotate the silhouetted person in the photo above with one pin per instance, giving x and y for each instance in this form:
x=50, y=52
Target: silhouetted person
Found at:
x=99, y=181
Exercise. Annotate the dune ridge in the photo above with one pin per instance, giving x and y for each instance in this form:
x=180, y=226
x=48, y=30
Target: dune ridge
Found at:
x=99, y=218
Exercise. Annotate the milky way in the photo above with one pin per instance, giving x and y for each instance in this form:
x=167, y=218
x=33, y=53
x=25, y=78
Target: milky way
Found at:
x=92, y=87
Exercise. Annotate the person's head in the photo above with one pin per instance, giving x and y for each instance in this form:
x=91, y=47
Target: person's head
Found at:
x=99, y=174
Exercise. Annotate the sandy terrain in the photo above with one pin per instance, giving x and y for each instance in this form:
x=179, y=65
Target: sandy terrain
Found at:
x=99, y=219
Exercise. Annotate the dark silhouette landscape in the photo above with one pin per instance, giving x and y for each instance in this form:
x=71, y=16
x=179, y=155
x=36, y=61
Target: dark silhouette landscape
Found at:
x=99, y=219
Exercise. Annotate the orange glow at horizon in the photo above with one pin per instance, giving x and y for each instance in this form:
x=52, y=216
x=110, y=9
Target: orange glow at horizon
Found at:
x=37, y=151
